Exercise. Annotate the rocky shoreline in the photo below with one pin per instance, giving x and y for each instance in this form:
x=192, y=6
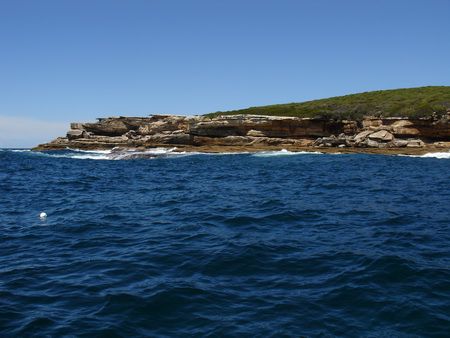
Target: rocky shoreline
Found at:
x=252, y=133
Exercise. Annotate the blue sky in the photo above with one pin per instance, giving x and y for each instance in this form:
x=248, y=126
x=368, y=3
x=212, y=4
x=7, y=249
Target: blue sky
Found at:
x=65, y=61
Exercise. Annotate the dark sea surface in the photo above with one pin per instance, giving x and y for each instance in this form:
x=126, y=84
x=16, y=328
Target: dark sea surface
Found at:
x=242, y=245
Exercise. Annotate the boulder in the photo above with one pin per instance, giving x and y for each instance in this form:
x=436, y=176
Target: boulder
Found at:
x=107, y=127
x=372, y=143
x=415, y=144
x=76, y=125
x=381, y=136
x=430, y=127
x=399, y=143
x=74, y=134
x=362, y=136
x=162, y=123
x=331, y=141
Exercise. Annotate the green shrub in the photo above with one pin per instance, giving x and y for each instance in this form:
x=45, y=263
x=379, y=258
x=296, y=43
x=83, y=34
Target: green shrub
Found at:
x=412, y=102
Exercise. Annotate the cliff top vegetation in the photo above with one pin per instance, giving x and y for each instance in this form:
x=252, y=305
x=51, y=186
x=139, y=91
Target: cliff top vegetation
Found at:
x=408, y=102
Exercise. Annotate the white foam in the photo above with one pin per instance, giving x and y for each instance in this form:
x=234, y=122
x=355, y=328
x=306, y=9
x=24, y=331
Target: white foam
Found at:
x=76, y=155
x=108, y=151
x=436, y=155
x=87, y=157
x=106, y=154
x=283, y=152
x=157, y=152
x=440, y=155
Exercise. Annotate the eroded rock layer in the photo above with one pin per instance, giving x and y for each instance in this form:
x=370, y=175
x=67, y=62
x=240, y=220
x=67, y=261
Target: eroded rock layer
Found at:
x=250, y=131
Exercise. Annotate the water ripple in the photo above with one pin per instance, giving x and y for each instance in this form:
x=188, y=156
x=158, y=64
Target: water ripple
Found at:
x=232, y=245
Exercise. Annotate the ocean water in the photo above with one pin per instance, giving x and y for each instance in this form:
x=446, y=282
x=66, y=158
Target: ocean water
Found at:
x=274, y=244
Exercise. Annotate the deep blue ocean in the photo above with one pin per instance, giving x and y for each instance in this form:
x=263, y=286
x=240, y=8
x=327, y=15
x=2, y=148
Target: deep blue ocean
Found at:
x=273, y=244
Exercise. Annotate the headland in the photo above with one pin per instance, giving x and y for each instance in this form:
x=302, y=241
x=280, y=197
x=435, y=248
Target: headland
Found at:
x=252, y=133
x=400, y=121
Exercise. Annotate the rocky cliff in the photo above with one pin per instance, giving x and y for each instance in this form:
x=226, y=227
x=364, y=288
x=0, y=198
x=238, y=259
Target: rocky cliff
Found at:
x=251, y=131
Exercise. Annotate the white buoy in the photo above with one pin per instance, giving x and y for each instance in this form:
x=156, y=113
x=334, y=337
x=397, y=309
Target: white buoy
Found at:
x=43, y=215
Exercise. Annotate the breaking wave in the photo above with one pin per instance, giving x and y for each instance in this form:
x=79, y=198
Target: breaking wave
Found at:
x=112, y=154
x=437, y=155
x=283, y=152
x=440, y=155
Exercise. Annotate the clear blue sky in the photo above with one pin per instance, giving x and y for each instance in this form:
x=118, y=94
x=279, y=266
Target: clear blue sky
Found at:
x=67, y=61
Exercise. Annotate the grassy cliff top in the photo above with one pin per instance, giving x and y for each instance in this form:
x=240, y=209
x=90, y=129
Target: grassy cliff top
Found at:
x=409, y=102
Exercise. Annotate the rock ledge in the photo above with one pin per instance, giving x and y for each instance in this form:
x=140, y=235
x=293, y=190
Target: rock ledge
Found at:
x=254, y=133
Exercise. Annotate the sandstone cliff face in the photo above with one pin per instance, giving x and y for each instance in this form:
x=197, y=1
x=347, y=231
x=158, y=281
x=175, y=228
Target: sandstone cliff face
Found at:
x=245, y=130
x=267, y=126
x=432, y=128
